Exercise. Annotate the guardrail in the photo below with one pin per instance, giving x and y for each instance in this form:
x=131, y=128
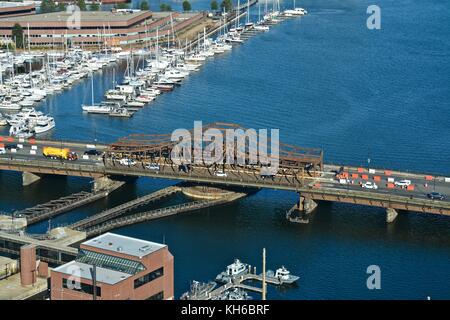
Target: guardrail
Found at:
x=282, y=184
x=153, y=214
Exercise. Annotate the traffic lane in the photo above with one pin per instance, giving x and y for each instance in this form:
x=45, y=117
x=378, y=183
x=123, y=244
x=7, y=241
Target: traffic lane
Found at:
x=422, y=185
x=33, y=150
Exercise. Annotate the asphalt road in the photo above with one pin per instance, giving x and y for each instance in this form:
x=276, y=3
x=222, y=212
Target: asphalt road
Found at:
x=327, y=180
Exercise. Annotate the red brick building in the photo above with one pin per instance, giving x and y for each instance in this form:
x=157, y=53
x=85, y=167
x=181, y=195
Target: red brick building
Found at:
x=93, y=28
x=14, y=9
x=125, y=269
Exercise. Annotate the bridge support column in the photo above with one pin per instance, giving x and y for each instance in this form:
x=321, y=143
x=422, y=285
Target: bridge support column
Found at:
x=391, y=214
x=102, y=183
x=29, y=178
x=306, y=205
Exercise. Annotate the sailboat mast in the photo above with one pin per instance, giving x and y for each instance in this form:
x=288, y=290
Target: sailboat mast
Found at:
x=92, y=88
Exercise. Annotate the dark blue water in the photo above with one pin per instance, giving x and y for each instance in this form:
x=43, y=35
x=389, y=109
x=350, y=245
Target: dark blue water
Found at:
x=324, y=81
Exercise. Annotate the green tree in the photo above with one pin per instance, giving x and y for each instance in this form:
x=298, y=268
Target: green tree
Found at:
x=165, y=7
x=48, y=6
x=144, y=5
x=94, y=6
x=82, y=5
x=122, y=6
x=61, y=6
x=187, y=5
x=227, y=5
x=17, y=35
x=214, y=5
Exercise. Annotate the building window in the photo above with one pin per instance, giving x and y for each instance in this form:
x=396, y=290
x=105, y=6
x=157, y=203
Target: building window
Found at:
x=81, y=287
x=158, y=296
x=110, y=262
x=148, y=277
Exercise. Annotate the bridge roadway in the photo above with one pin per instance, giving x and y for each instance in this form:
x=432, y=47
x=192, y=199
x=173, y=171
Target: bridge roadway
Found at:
x=123, y=208
x=158, y=213
x=324, y=187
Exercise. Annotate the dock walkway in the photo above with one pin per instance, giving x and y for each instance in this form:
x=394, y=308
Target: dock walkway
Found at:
x=123, y=208
x=158, y=213
x=55, y=207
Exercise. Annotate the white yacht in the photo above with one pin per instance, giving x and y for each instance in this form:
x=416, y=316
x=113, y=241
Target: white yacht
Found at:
x=21, y=130
x=3, y=120
x=7, y=104
x=296, y=12
x=282, y=275
x=44, y=126
x=236, y=269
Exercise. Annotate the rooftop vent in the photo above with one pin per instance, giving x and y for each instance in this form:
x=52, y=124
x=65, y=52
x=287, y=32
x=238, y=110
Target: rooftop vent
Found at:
x=119, y=249
x=144, y=248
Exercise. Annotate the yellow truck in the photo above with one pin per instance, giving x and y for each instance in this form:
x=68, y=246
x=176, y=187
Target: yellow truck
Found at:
x=58, y=153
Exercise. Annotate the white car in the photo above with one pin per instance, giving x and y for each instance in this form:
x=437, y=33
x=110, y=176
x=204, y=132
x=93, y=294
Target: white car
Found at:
x=152, y=166
x=370, y=185
x=220, y=174
x=2, y=150
x=402, y=183
x=127, y=162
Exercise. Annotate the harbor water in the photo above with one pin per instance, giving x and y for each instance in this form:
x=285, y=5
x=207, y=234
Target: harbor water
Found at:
x=326, y=81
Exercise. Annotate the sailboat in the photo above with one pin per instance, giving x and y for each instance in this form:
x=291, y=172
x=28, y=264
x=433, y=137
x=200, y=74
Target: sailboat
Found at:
x=248, y=23
x=95, y=108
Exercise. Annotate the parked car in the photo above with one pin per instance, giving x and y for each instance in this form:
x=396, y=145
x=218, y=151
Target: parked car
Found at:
x=93, y=152
x=435, y=196
x=11, y=146
x=2, y=150
x=152, y=166
x=370, y=185
x=127, y=162
x=220, y=173
x=402, y=183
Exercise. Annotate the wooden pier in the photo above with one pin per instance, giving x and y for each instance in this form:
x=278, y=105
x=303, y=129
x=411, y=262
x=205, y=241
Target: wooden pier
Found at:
x=158, y=213
x=53, y=208
x=123, y=208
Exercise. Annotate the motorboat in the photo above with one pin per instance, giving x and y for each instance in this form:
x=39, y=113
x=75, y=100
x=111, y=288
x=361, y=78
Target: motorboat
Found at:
x=144, y=98
x=120, y=112
x=282, y=275
x=3, y=120
x=234, y=270
x=295, y=12
x=175, y=74
x=21, y=130
x=44, y=126
x=198, y=290
x=8, y=104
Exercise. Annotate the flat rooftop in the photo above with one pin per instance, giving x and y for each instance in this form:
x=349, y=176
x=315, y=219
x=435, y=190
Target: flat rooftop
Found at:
x=83, y=270
x=122, y=244
x=86, y=16
x=7, y=4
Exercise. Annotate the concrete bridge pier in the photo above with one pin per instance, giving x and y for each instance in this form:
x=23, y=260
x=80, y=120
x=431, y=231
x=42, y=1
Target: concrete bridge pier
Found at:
x=391, y=215
x=102, y=183
x=306, y=205
x=29, y=178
